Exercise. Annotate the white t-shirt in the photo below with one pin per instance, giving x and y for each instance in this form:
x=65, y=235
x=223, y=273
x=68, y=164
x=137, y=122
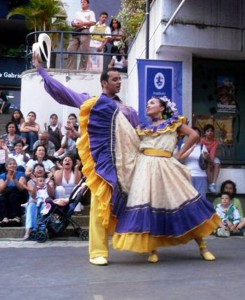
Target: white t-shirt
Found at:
x=192, y=161
x=118, y=64
x=19, y=159
x=48, y=164
x=85, y=16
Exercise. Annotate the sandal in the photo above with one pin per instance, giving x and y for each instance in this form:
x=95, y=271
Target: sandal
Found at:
x=153, y=257
x=205, y=254
x=26, y=237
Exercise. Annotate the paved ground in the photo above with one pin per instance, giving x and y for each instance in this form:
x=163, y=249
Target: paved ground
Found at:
x=60, y=270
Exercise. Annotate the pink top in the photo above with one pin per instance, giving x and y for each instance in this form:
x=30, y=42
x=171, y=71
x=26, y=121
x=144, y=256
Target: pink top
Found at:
x=212, y=147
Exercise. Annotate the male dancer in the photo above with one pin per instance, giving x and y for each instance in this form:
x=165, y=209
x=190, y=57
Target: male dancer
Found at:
x=111, y=84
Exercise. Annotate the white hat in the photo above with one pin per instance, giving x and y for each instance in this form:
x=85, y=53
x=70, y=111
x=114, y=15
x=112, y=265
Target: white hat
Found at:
x=43, y=48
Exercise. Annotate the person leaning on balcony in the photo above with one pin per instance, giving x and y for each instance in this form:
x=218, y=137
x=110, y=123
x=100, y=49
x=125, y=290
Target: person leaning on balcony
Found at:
x=98, y=43
x=84, y=19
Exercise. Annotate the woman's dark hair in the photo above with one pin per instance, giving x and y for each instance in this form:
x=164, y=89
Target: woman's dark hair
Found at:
x=224, y=183
x=119, y=24
x=197, y=129
x=11, y=123
x=19, y=142
x=72, y=157
x=35, y=151
x=207, y=127
x=72, y=115
x=119, y=55
x=20, y=113
x=37, y=165
x=165, y=113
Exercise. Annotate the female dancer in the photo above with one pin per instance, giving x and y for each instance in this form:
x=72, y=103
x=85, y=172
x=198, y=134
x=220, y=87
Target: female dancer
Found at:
x=152, y=197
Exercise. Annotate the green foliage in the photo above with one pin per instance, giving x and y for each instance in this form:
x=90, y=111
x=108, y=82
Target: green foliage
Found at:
x=39, y=14
x=44, y=15
x=13, y=52
x=131, y=16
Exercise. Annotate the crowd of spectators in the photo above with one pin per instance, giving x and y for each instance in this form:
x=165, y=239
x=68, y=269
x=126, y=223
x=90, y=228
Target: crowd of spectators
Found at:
x=28, y=154
x=227, y=205
x=30, y=158
x=93, y=38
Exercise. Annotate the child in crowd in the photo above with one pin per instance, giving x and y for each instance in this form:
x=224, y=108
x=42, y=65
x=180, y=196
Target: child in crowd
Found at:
x=3, y=154
x=230, y=187
x=214, y=163
x=41, y=195
x=231, y=220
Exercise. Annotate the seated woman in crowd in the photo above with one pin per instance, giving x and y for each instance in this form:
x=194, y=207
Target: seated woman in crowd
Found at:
x=54, y=130
x=18, y=118
x=29, y=130
x=20, y=156
x=11, y=135
x=118, y=61
x=191, y=161
x=32, y=208
x=40, y=156
x=11, y=194
x=67, y=177
x=73, y=125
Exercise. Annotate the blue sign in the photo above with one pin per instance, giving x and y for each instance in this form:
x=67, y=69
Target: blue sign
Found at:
x=159, y=78
x=10, y=71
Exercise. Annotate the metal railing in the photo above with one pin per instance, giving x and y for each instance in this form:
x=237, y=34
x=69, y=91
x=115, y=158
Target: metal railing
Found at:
x=60, y=39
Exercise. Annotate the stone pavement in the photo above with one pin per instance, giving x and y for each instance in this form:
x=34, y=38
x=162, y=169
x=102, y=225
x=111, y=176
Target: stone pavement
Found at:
x=59, y=270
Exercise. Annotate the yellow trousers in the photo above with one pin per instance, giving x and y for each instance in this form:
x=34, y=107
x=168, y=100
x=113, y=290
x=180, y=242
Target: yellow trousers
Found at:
x=98, y=235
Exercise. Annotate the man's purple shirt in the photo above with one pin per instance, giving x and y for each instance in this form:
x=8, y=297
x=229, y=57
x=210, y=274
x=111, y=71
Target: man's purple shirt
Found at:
x=67, y=96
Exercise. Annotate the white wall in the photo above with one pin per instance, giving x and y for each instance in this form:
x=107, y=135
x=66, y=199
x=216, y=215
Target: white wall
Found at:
x=236, y=175
x=35, y=98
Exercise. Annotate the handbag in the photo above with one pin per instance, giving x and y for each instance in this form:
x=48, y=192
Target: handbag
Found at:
x=203, y=162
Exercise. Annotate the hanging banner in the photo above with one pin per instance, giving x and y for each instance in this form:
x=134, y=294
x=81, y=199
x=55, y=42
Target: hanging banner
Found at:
x=159, y=78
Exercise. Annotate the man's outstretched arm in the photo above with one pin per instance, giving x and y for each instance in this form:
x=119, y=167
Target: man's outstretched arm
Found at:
x=57, y=90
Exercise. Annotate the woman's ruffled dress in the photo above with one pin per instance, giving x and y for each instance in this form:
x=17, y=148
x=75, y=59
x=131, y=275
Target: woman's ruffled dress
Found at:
x=146, y=201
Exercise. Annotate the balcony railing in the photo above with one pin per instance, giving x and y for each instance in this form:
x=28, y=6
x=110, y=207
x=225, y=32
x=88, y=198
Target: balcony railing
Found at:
x=59, y=53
